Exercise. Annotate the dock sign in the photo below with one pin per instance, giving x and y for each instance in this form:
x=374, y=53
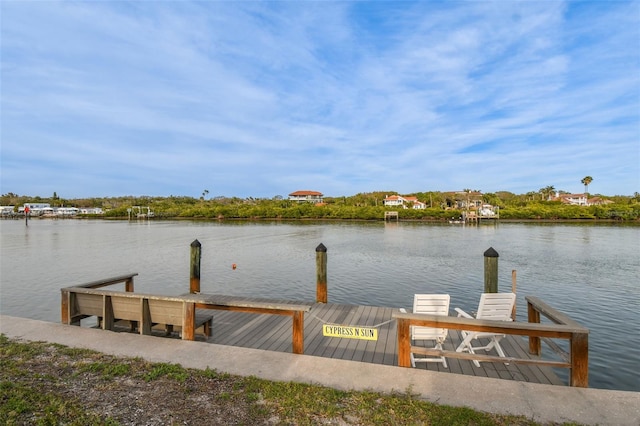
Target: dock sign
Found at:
x=350, y=332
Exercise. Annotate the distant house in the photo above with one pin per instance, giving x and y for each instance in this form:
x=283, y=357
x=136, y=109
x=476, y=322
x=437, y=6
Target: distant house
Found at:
x=419, y=205
x=464, y=200
x=414, y=203
x=306, y=196
x=393, y=200
x=572, y=199
x=66, y=211
x=598, y=201
x=404, y=202
x=35, y=209
x=91, y=210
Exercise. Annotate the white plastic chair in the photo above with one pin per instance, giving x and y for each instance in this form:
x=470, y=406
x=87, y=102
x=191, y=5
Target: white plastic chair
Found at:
x=432, y=304
x=495, y=307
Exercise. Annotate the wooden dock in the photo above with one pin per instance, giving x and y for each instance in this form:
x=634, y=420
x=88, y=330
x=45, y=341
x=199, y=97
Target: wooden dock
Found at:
x=297, y=327
x=273, y=333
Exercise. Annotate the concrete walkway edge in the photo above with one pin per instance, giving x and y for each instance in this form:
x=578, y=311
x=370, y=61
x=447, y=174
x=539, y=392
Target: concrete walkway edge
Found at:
x=541, y=403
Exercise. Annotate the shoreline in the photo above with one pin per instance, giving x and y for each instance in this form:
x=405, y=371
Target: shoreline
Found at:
x=590, y=221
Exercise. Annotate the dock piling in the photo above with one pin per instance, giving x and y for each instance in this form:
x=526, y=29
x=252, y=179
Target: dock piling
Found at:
x=491, y=271
x=196, y=254
x=321, y=274
x=513, y=290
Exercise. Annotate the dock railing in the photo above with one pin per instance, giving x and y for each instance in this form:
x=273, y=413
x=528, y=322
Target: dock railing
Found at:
x=564, y=328
x=578, y=354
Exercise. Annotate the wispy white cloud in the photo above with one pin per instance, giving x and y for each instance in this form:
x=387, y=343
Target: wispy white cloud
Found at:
x=261, y=99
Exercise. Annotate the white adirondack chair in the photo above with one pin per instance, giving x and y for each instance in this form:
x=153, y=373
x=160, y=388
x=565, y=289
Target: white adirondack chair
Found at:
x=432, y=304
x=495, y=307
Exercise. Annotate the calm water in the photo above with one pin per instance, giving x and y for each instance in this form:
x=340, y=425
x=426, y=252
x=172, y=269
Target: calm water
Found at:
x=588, y=272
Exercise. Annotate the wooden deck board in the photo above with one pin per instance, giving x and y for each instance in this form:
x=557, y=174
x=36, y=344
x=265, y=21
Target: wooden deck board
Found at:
x=342, y=348
x=274, y=333
x=358, y=347
x=315, y=342
x=383, y=330
x=269, y=330
x=329, y=345
x=390, y=352
x=376, y=318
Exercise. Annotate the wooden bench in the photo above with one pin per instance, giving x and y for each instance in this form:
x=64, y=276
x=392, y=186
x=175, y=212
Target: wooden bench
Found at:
x=143, y=311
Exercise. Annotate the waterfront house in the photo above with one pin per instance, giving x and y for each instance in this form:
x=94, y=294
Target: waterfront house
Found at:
x=598, y=201
x=464, y=200
x=7, y=210
x=35, y=209
x=306, y=196
x=404, y=202
x=572, y=199
x=67, y=211
x=91, y=210
x=414, y=203
x=393, y=201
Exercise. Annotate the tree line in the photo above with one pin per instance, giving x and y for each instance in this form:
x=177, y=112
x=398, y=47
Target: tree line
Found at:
x=440, y=206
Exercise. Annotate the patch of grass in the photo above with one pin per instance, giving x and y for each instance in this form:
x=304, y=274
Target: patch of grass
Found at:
x=72, y=352
x=19, y=351
x=108, y=369
x=304, y=404
x=34, y=391
x=224, y=396
x=21, y=404
x=173, y=371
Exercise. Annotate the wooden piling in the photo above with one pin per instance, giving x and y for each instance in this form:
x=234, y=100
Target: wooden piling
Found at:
x=404, y=342
x=579, y=360
x=196, y=254
x=298, y=333
x=491, y=271
x=513, y=290
x=533, y=316
x=321, y=274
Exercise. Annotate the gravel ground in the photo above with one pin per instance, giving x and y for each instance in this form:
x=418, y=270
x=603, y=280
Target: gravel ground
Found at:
x=132, y=393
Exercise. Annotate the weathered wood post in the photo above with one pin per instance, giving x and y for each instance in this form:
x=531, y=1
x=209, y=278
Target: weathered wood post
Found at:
x=321, y=274
x=533, y=315
x=189, y=318
x=579, y=360
x=128, y=284
x=298, y=333
x=404, y=342
x=491, y=271
x=196, y=252
x=64, y=307
x=513, y=290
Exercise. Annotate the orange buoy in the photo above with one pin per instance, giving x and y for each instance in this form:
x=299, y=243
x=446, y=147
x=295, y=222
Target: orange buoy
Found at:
x=233, y=266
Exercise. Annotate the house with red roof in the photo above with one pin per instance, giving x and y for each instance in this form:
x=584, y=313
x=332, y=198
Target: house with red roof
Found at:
x=404, y=202
x=306, y=196
x=572, y=199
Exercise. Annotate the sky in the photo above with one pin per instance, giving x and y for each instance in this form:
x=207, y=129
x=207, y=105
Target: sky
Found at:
x=261, y=99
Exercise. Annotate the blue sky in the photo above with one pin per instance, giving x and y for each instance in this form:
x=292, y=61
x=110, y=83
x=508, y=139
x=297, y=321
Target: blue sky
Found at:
x=261, y=99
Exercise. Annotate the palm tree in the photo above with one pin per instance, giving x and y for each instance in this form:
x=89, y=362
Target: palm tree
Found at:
x=547, y=192
x=586, y=181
